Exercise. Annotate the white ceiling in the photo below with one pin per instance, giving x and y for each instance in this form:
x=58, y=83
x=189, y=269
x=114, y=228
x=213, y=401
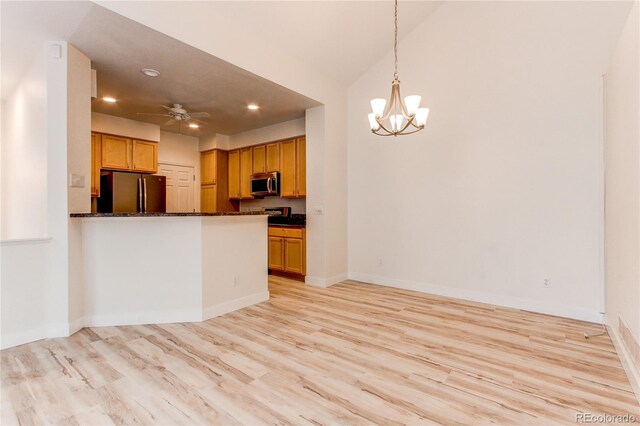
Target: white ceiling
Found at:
x=340, y=39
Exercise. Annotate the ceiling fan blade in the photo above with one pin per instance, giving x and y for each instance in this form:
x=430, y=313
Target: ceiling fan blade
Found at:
x=151, y=113
x=166, y=107
x=170, y=122
x=199, y=114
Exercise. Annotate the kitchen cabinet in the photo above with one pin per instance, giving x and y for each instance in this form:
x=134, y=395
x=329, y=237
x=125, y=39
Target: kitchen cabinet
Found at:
x=287, y=251
x=208, y=167
x=293, y=168
x=259, y=160
x=273, y=157
x=246, y=169
x=96, y=163
x=120, y=153
x=214, y=196
x=276, y=253
x=240, y=170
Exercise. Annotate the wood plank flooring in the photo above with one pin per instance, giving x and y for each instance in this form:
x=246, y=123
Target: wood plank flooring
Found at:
x=350, y=354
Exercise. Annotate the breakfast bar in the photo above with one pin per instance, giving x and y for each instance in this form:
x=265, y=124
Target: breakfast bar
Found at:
x=170, y=267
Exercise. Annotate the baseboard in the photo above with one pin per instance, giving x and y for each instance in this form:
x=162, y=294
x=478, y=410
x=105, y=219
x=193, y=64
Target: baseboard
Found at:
x=625, y=358
x=325, y=282
x=482, y=297
x=27, y=336
x=141, y=318
x=234, y=305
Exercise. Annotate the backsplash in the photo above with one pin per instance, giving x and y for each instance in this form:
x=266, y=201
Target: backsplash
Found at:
x=298, y=205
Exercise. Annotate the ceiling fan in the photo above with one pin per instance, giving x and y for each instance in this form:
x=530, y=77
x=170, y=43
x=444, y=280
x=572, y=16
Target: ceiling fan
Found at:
x=179, y=115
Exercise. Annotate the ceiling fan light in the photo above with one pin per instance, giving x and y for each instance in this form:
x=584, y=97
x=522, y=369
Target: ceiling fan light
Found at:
x=377, y=106
x=150, y=72
x=193, y=125
x=412, y=103
x=373, y=123
x=421, y=116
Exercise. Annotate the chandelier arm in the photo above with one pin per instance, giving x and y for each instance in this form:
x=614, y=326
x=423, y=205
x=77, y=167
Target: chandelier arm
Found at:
x=409, y=122
x=383, y=128
x=399, y=101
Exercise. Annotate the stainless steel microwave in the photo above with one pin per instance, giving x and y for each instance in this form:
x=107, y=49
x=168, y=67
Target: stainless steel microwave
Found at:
x=264, y=184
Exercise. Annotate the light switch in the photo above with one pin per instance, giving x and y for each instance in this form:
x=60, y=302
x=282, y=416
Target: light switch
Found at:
x=77, y=181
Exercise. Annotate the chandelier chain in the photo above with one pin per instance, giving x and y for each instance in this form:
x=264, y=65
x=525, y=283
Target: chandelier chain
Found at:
x=395, y=42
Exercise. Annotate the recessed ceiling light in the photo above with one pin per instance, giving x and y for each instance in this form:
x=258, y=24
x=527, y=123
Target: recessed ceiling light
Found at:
x=108, y=99
x=193, y=125
x=150, y=72
x=252, y=107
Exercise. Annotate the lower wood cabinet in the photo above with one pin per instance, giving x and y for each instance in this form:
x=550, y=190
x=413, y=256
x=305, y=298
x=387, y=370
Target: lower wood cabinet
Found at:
x=287, y=250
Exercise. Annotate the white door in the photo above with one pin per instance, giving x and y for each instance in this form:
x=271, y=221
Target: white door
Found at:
x=180, y=179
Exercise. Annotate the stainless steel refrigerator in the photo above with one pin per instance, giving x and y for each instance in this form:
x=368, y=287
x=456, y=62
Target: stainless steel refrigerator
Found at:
x=122, y=192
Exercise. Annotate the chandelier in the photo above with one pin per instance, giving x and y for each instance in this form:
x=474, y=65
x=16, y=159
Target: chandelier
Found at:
x=398, y=118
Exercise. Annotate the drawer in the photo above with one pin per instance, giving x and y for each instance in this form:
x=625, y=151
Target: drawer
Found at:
x=275, y=231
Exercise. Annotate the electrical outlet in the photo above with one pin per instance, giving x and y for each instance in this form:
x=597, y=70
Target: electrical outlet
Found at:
x=235, y=281
x=546, y=283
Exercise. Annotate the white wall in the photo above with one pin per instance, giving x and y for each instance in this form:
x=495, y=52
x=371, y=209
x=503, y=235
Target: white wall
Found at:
x=623, y=182
x=24, y=155
x=105, y=123
x=286, y=129
x=503, y=189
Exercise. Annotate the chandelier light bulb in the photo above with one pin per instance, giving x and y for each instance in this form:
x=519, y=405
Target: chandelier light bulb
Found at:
x=421, y=116
x=373, y=123
x=412, y=103
x=377, y=106
x=396, y=122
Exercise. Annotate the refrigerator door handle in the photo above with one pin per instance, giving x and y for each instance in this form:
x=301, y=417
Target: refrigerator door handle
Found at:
x=140, y=207
x=144, y=185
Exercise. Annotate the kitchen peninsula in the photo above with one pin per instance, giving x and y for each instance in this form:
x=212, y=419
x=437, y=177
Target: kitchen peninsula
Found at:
x=170, y=267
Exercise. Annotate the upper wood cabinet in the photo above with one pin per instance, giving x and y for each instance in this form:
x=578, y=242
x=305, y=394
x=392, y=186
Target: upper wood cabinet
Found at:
x=116, y=153
x=145, y=156
x=234, y=174
x=240, y=170
x=214, y=196
x=120, y=153
x=259, y=160
x=208, y=168
x=96, y=159
x=246, y=169
x=273, y=157
x=293, y=168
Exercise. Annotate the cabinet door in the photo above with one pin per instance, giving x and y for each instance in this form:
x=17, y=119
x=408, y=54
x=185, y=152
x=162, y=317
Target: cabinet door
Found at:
x=273, y=157
x=208, y=198
x=288, y=168
x=301, y=167
x=116, y=153
x=96, y=163
x=259, y=159
x=234, y=174
x=208, y=168
x=145, y=156
x=276, y=253
x=246, y=167
x=294, y=255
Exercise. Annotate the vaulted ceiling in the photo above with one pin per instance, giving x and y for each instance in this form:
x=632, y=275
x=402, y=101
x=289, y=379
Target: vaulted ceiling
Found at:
x=340, y=39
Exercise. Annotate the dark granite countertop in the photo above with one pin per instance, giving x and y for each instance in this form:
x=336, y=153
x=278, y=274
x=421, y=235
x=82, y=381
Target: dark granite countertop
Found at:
x=285, y=225
x=167, y=214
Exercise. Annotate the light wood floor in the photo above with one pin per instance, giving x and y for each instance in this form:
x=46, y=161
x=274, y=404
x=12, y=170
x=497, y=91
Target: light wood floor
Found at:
x=349, y=354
